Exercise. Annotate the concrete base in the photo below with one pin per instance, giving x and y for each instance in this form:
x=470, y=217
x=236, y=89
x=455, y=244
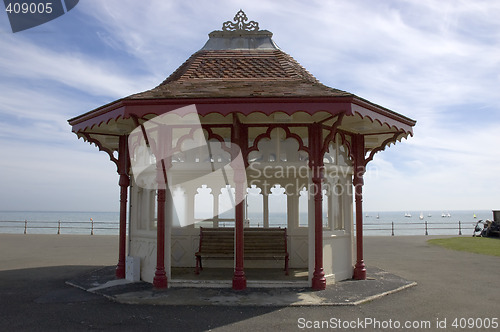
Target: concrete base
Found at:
x=350, y=292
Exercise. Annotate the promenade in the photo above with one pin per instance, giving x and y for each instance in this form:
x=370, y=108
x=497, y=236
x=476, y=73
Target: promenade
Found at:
x=34, y=296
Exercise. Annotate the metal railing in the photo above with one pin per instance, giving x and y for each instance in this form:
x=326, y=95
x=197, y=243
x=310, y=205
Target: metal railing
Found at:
x=423, y=228
x=108, y=228
x=59, y=227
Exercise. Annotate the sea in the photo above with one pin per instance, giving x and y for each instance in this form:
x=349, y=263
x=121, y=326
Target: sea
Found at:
x=381, y=223
x=461, y=222
x=59, y=222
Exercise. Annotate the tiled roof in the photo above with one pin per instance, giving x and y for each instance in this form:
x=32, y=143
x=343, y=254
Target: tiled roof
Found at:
x=243, y=65
x=238, y=64
x=240, y=73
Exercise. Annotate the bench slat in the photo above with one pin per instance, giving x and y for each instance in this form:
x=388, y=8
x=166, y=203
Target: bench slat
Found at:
x=259, y=244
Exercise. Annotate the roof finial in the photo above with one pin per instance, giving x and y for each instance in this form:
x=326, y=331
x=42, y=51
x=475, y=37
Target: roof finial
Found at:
x=240, y=24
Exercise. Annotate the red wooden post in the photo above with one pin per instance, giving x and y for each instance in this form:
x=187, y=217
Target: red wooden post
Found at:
x=124, y=182
x=318, y=280
x=120, y=267
x=239, y=278
x=316, y=165
x=238, y=139
x=359, y=170
x=162, y=149
x=160, y=278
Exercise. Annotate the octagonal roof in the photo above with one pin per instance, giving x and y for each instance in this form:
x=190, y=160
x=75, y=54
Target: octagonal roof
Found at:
x=240, y=61
x=240, y=71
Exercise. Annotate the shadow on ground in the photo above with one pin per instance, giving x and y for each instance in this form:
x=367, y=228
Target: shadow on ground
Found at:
x=349, y=292
x=40, y=299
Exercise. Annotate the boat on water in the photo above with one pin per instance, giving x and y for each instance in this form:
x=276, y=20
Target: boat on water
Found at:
x=475, y=217
x=421, y=217
x=445, y=215
x=408, y=215
x=429, y=215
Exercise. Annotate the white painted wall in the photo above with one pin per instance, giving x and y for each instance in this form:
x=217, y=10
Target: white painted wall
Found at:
x=183, y=242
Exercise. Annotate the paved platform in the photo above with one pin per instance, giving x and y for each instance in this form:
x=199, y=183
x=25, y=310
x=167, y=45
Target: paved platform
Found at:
x=34, y=295
x=345, y=293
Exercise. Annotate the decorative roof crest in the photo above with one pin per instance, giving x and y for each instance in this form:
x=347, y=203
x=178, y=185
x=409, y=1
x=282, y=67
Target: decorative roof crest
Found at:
x=240, y=18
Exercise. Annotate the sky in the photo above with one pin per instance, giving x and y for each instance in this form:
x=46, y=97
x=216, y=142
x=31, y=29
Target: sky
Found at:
x=437, y=62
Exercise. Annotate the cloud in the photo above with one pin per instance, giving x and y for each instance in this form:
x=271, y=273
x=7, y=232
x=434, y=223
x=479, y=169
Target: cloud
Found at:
x=437, y=62
x=457, y=172
x=160, y=33
x=39, y=178
x=23, y=60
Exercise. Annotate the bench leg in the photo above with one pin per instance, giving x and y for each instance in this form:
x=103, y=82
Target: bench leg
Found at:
x=286, y=265
x=198, y=265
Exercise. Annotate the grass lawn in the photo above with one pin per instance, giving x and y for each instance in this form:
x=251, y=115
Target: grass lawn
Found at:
x=478, y=245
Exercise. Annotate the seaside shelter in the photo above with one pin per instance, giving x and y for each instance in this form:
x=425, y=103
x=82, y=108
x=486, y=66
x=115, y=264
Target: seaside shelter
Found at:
x=239, y=131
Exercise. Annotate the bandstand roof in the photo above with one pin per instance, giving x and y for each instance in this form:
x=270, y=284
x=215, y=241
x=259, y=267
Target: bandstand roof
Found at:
x=240, y=70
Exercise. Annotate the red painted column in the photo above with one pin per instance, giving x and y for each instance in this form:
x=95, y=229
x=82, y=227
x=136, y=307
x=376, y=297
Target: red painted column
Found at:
x=316, y=164
x=359, y=170
x=120, y=267
x=239, y=278
x=160, y=278
x=124, y=182
x=318, y=280
x=162, y=149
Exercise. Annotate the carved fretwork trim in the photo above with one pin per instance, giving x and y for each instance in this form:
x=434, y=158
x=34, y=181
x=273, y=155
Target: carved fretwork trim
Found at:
x=240, y=18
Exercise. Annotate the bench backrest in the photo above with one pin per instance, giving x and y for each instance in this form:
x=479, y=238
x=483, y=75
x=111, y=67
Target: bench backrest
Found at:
x=216, y=240
x=221, y=240
x=265, y=240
